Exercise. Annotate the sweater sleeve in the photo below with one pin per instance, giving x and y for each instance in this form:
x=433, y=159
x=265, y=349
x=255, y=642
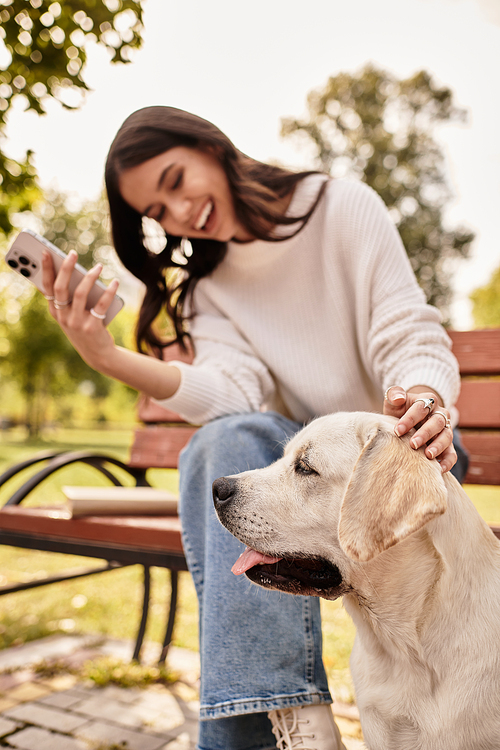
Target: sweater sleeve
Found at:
x=226, y=376
x=400, y=336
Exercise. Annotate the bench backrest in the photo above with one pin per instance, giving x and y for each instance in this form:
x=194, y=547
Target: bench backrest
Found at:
x=157, y=444
x=478, y=354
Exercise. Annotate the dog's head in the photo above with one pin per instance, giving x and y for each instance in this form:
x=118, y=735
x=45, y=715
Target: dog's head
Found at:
x=345, y=490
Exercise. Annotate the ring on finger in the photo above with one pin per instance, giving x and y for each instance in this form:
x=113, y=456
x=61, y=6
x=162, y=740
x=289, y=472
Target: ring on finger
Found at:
x=427, y=402
x=386, y=394
x=447, y=421
x=58, y=305
x=49, y=297
x=97, y=315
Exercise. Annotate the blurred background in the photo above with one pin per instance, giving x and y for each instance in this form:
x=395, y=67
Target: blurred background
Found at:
x=403, y=95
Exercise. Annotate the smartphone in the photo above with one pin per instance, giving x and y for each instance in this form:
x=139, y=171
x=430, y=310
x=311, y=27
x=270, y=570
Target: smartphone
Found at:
x=25, y=257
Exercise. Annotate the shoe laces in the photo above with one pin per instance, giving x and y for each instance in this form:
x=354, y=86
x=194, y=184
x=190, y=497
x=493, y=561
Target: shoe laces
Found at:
x=288, y=729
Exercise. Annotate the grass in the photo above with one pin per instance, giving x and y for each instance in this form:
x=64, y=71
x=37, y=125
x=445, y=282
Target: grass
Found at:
x=110, y=604
x=109, y=670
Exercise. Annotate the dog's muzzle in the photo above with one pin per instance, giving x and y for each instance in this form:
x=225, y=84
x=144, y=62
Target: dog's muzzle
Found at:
x=301, y=575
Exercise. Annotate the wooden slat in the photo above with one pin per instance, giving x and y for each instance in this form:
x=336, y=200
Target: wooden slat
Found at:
x=151, y=532
x=484, y=454
x=158, y=447
x=479, y=404
x=478, y=352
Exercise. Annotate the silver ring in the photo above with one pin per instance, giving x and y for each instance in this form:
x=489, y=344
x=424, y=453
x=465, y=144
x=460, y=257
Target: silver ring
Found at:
x=387, y=391
x=427, y=402
x=49, y=297
x=447, y=421
x=58, y=305
x=96, y=314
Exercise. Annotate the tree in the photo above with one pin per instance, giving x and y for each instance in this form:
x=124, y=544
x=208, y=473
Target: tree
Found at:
x=76, y=225
x=45, y=42
x=379, y=129
x=37, y=356
x=34, y=352
x=486, y=303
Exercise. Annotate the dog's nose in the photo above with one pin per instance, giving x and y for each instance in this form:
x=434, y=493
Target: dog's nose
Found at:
x=223, y=490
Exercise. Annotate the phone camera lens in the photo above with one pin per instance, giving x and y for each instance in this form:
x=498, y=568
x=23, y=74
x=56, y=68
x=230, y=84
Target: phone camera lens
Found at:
x=23, y=260
x=25, y=272
x=13, y=263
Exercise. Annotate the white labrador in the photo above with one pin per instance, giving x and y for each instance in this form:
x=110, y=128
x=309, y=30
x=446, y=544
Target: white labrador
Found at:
x=351, y=510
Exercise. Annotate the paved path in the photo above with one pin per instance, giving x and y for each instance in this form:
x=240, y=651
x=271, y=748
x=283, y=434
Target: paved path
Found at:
x=64, y=713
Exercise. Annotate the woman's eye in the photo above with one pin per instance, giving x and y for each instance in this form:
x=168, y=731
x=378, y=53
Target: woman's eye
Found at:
x=178, y=180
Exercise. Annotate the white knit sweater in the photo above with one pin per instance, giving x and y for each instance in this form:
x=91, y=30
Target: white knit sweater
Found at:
x=319, y=323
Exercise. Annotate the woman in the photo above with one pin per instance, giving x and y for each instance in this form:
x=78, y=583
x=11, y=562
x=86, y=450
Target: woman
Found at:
x=299, y=301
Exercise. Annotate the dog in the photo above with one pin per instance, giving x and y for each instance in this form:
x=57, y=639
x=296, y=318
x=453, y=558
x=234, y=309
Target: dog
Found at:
x=352, y=510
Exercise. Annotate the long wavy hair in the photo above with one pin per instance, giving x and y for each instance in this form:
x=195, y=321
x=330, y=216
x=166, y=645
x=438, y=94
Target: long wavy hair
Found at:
x=255, y=188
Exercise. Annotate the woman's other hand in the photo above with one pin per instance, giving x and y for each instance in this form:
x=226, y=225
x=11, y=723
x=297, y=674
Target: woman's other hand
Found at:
x=84, y=329
x=421, y=406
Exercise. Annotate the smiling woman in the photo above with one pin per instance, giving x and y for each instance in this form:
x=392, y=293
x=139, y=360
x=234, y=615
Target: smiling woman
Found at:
x=181, y=170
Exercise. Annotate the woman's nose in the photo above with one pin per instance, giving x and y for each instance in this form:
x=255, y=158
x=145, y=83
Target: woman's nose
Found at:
x=180, y=209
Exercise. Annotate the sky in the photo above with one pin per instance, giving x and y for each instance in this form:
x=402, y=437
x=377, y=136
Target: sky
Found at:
x=244, y=66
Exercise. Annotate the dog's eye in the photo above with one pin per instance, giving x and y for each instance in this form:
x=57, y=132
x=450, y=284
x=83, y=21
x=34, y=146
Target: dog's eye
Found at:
x=301, y=467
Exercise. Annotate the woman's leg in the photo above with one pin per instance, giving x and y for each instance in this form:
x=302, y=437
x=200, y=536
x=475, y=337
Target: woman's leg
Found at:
x=460, y=469
x=260, y=650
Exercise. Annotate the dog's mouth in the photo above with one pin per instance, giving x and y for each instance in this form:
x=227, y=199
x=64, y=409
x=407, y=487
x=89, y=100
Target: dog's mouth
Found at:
x=294, y=575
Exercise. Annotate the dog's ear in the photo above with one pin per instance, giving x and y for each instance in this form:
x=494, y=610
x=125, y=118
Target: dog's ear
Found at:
x=394, y=490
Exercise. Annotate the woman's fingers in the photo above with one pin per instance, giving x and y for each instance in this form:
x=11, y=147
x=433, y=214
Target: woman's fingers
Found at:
x=82, y=291
x=432, y=423
x=395, y=401
x=48, y=274
x=72, y=312
x=61, y=282
x=448, y=458
x=102, y=306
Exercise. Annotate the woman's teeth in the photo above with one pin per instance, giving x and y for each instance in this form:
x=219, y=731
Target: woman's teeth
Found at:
x=202, y=220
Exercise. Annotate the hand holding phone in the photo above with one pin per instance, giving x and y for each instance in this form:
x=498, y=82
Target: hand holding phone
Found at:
x=25, y=258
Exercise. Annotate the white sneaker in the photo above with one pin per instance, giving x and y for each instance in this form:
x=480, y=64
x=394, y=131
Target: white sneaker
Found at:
x=306, y=728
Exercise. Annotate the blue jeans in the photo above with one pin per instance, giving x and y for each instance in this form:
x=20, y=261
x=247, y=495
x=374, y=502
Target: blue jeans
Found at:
x=259, y=649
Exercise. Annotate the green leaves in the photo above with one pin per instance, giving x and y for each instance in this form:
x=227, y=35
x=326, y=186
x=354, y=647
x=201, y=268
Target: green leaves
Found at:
x=486, y=303
x=46, y=43
x=42, y=57
x=379, y=129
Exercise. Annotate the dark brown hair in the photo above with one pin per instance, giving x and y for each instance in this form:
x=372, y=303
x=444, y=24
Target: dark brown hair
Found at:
x=255, y=188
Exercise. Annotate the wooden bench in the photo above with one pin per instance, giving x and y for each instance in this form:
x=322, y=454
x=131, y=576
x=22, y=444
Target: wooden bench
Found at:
x=156, y=541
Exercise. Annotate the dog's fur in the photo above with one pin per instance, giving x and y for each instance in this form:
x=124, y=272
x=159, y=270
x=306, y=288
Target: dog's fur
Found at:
x=354, y=511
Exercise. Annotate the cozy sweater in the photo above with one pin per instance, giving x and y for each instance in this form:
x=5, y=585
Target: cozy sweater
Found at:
x=322, y=322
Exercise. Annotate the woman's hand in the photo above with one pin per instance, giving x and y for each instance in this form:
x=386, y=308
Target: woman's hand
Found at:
x=85, y=330
x=92, y=340
x=421, y=406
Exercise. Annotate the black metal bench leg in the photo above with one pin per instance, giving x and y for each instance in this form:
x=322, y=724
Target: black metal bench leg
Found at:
x=174, y=588
x=144, y=618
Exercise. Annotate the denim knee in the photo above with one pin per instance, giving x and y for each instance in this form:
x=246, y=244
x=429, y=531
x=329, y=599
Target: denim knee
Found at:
x=243, y=438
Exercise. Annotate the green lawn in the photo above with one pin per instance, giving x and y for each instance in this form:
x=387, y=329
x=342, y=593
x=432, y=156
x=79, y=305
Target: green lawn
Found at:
x=111, y=603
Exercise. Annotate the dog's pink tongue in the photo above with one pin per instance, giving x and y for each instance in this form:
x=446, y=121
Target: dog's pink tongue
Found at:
x=249, y=558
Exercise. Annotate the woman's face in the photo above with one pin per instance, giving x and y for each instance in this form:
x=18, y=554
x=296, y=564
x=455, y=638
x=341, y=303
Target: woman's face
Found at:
x=186, y=191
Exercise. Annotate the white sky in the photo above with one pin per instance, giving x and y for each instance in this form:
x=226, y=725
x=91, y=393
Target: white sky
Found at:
x=246, y=65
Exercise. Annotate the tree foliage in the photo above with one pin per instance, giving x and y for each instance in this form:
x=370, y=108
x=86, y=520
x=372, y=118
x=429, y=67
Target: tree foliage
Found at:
x=486, y=303
x=81, y=226
x=34, y=352
x=374, y=127
x=45, y=43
